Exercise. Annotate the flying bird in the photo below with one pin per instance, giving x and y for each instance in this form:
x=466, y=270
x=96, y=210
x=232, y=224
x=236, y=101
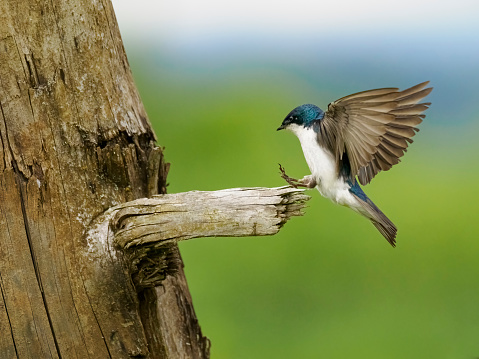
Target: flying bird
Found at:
x=358, y=136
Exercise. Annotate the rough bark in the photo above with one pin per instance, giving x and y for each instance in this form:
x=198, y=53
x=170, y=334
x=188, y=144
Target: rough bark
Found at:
x=75, y=140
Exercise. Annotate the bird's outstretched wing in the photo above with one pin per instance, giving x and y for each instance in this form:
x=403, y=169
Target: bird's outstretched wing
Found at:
x=373, y=128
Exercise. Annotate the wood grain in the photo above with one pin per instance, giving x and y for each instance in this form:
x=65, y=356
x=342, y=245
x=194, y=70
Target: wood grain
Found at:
x=234, y=212
x=75, y=140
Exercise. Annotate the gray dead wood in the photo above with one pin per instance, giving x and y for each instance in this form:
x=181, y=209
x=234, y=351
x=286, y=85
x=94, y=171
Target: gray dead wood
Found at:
x=145, y=226
x=234, y=212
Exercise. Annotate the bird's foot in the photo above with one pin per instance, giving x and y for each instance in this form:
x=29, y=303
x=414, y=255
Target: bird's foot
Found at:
x=291, y=181
x=306, y=181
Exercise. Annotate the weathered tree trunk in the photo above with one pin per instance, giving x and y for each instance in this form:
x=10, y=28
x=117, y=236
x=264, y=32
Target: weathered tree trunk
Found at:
x=75, y=142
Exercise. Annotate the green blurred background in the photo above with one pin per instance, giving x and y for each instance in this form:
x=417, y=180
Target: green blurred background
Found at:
x=328, y=285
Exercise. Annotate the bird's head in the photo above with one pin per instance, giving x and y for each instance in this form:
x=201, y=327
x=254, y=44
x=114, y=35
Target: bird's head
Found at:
x=303, y=115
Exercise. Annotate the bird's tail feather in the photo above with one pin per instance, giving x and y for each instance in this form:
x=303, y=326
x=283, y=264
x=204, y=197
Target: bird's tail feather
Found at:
x=386, y=227
x=378, y=218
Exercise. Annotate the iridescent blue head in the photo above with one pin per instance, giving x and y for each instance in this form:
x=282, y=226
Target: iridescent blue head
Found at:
x=303, y=115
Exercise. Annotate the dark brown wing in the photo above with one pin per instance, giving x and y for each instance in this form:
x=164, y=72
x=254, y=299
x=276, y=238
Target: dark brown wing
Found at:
x=373, y=127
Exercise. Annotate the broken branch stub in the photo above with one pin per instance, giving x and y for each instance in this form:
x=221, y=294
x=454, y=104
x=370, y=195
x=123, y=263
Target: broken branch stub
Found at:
x=235, y=212
x=145, y=229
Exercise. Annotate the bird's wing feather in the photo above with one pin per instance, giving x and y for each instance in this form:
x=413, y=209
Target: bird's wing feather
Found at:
x=374, y=128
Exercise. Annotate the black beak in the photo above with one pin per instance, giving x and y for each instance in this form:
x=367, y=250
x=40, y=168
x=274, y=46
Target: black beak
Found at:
x=280, y=127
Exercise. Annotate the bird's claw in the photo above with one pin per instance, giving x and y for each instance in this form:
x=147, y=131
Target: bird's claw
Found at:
x=291, y=181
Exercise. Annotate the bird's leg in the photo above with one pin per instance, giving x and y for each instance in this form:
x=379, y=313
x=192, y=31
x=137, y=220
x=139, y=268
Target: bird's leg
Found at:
x=306, y=181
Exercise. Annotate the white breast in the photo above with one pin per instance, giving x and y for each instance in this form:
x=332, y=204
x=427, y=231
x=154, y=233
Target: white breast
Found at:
x=320, y=162
x=323, y=167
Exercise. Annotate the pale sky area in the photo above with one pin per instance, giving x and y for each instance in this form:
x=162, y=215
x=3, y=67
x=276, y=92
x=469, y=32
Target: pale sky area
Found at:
x=190, y=18
x=359, y=43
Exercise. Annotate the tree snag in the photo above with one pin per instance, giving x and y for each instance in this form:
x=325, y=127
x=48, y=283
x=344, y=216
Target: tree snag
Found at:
x=75, y=142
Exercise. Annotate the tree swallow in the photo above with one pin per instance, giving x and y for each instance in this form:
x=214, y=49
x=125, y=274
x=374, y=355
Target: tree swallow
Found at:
x=358, y=136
